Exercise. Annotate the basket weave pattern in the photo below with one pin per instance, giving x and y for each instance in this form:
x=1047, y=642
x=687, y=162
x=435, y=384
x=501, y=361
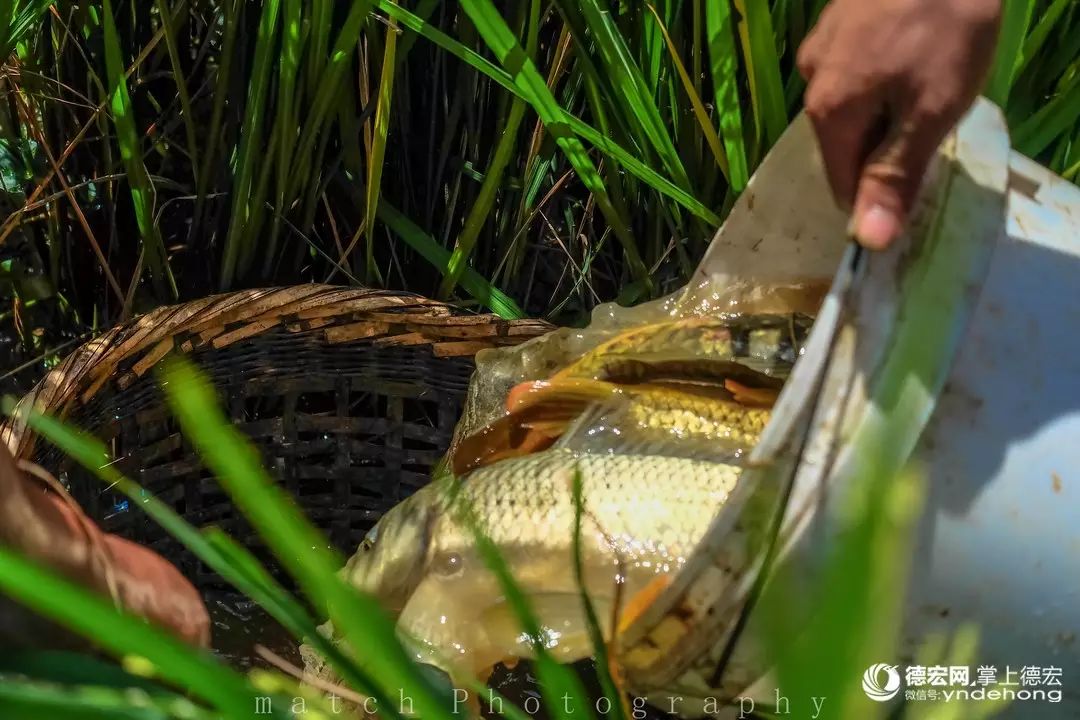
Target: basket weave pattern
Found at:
x=351, y=396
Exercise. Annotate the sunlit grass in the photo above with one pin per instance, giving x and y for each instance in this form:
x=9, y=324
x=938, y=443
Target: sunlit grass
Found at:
x=546, y=156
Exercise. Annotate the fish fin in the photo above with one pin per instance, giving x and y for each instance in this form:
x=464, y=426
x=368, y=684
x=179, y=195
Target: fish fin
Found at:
x=503, y=438
x=551, y=428
x=538, y=414
x=566, y=394
x=752, y=396
x=642, y=600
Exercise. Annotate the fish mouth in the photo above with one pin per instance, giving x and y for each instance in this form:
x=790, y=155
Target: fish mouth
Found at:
x=393, y=558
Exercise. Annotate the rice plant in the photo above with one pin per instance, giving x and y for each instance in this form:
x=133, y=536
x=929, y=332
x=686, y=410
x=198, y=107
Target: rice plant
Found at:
x=531, y=158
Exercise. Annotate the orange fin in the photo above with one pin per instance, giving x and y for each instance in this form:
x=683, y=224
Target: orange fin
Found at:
x=750, y=396
x=539, y=412
x=642, y=600
x=504, y=438
x=570, y=393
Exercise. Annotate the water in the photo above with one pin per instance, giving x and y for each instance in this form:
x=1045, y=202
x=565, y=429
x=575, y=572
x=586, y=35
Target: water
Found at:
x=239, y=625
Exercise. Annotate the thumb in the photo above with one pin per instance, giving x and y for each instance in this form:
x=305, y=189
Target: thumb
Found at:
x=890, y=182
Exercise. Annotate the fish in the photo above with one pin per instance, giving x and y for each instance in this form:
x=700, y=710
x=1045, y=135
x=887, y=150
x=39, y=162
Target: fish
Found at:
x=762, y=348
x=642, y=518
x=691, y=379
x=673, y=411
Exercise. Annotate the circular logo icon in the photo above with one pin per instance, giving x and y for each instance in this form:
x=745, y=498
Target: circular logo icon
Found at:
x=874, y=688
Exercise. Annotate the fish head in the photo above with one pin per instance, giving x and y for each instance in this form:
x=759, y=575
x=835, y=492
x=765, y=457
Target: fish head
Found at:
x=423, y=567
x=392, y=558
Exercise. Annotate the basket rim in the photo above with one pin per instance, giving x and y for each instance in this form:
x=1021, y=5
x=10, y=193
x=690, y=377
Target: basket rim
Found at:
x=338, y=314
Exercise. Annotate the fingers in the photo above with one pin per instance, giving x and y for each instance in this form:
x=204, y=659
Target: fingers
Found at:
x=890, y=180
x=886, y=80
x=848, y=127
x=844, y=108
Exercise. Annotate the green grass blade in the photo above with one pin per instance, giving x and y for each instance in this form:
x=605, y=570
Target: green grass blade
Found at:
x=856, y=603
x=247, y=575
x=17, y=21
x=1066, y=53
x=652, y=47
x=1051, y=121
x=603, y=666
x=1072, y=172
x=252, y=142
x=378, y=149
x=142, y=190
x=763, y=69
x=473, y=282
x=222, y=91
x=702, y=115
x=502, y=42
x=213, y=546
x=630, y=86
x=319, y=24
x=423, y=10
x=7, y=23
x=125, y=635
x=723, y=65
x=1015, y=21
x=504, y=151
x=299, y=547
x=1034, y=43
x=588, y=133
x=326, y=93
x=181, y=84
x=66, y=667
x=287, y=124
x=39, y=701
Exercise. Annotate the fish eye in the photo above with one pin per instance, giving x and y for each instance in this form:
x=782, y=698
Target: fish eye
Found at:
x=447, y=564
x=368, y=543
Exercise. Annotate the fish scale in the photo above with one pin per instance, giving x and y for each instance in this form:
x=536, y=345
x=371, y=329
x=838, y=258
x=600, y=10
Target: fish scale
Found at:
x=666, y=501
x=644, y=516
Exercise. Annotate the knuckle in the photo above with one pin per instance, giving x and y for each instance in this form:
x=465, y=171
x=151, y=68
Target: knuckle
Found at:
x=806, y=59
x=825, y=99
x=897, y=179
x=888, y=171
x=938, y=110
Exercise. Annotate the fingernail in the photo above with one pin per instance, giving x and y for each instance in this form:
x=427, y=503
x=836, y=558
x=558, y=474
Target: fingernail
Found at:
x=877, y=227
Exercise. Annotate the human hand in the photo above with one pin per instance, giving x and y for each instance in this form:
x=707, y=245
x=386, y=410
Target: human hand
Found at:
x=886, y=82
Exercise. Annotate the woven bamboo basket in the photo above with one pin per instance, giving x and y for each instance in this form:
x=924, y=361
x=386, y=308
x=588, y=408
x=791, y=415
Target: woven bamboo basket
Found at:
x=351, y=396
